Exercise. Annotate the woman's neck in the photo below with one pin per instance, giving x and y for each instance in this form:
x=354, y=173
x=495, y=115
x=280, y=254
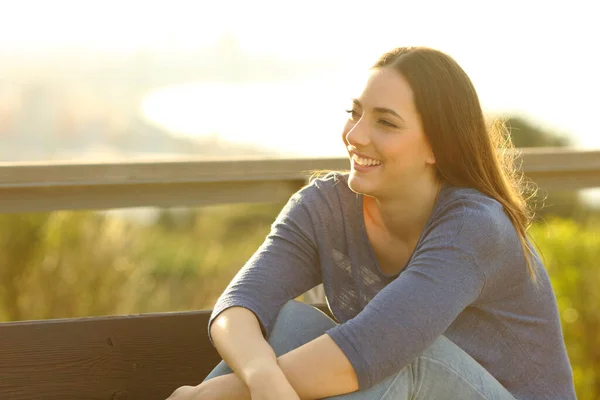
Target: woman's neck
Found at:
x=403, y=215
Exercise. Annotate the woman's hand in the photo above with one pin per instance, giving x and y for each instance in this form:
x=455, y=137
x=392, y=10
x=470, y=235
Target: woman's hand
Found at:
x=272, y=385
x=224, y=387
x=185, y=393
x=266, y=385
x=275, y=391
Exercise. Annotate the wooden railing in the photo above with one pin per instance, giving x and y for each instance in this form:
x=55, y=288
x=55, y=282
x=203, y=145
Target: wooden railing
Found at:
x=148, y=356
x=47, y=187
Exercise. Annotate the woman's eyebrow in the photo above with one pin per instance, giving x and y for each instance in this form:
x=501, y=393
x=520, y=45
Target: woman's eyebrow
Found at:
x=381, y=110
x=388, y=111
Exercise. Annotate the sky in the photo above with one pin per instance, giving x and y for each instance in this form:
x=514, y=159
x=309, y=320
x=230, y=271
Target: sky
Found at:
x=535, y=58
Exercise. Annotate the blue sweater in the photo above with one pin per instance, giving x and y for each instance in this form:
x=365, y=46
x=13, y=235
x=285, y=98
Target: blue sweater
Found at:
x=467, y=279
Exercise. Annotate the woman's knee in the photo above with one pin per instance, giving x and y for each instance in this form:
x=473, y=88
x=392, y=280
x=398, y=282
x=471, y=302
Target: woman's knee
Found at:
x=447, y=352
x=297, y=313
x=446, y=362
x=297, y=323
x=291, y=307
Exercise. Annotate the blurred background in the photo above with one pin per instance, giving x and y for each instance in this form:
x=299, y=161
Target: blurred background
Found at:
x=95, y=81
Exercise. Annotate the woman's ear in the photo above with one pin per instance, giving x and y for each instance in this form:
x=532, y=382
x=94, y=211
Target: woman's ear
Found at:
x=430, y=158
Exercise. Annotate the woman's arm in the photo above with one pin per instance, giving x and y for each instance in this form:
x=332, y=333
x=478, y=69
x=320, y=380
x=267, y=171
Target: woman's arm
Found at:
x=315, y=370
x=285, y=266
x=319, y=369
x=238, y=339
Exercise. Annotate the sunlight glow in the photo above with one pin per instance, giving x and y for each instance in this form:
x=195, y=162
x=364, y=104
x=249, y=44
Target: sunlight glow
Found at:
x=534, y=58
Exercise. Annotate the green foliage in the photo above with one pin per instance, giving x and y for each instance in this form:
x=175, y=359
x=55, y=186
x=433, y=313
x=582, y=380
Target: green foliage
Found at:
x=21, y=239
x=571, y=253
x=525, y=134
x=73, y=264
x=66, y=265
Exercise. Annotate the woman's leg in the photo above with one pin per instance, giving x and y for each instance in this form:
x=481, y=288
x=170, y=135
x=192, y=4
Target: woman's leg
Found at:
x=297, y=324
x=443, y=371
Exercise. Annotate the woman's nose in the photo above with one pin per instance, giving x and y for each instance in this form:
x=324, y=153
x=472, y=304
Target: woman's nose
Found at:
x=358, y=135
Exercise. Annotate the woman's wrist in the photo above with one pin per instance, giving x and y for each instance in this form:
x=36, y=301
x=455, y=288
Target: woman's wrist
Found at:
x=260, y=373
x=223, y=387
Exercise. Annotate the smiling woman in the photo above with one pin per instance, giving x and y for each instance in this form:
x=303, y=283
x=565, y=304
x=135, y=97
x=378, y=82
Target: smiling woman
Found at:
x=423, y=253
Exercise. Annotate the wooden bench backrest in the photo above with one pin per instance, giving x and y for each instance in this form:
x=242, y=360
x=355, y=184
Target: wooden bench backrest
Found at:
x=143, y=356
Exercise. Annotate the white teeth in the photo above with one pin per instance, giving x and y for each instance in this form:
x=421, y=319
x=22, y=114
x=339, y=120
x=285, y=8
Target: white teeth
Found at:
x=366, y=162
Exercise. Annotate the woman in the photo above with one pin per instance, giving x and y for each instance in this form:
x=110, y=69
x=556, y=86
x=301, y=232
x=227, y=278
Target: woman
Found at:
x=424, y=257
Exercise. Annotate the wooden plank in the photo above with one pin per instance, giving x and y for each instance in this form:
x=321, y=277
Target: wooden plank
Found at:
x=560, y=169
x=143, y=356
x=97, y=197
x=103, y=358
x=161, y=171
x=41, y=187
x=549, y=159
x=565, y=180
x=13, y=175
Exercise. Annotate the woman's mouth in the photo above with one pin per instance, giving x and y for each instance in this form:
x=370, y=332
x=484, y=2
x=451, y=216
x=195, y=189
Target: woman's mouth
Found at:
x=364, y=164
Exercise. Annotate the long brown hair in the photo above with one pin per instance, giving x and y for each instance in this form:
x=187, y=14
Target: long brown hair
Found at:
x=468, y=153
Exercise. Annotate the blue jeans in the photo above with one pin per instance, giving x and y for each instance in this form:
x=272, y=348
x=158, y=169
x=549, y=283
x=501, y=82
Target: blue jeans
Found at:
x=443, y=371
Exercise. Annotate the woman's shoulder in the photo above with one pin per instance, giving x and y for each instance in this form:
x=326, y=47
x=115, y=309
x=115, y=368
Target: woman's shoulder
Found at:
x=328, y=199
x=474, y=213
x=326, y=185
x=471, y=200
x=328, y=179
x=477, y=225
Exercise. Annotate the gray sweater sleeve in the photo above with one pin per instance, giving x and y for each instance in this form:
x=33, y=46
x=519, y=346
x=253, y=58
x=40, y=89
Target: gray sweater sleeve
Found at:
x=405, y=317
x=285, y=266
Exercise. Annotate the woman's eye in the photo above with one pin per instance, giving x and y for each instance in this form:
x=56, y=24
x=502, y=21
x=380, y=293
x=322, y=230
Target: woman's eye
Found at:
x=353, y=114
x=387, y=123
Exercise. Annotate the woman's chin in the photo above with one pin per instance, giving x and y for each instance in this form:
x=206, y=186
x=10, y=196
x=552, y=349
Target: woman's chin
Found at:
x=360, y=184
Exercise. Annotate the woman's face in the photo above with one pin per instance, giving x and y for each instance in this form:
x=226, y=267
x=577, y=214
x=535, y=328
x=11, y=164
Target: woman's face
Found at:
x=384, y=137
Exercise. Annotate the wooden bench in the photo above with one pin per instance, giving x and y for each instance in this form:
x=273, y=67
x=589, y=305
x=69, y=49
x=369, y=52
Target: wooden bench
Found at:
x=144, y=356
